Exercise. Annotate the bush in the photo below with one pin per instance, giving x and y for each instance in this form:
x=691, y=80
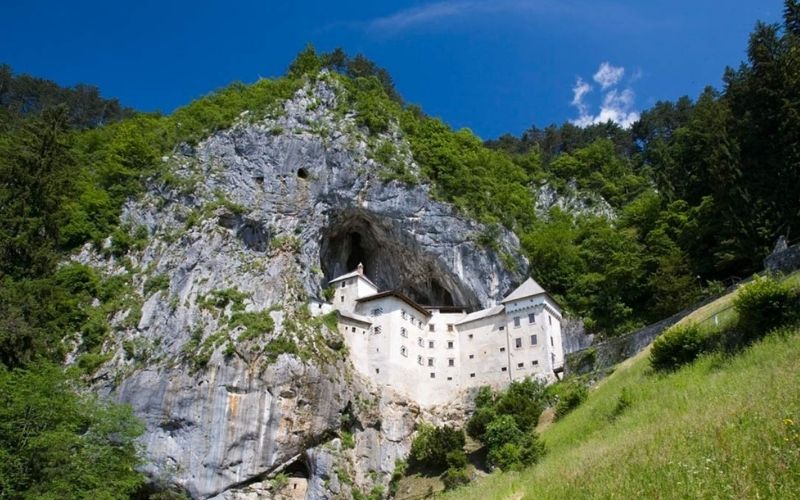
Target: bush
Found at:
x=432, y=445
x=568, y=395
x=454, y=478
x=456, y=459
x=476, y=425
x=762, y=306
x=156, y=283
x=524, y=400
x=677, y=346
x=500, y=431
x=507, y=457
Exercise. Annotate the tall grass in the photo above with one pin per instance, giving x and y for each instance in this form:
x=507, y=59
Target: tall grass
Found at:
x=722, y=427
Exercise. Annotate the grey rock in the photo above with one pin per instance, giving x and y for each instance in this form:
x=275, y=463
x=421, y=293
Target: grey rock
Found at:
x=275, y=216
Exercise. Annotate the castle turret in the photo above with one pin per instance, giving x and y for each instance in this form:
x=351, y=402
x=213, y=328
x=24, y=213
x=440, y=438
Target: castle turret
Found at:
x=350, y=287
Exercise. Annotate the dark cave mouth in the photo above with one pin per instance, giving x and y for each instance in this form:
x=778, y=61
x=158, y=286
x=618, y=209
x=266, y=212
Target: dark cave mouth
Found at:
x=391, y=259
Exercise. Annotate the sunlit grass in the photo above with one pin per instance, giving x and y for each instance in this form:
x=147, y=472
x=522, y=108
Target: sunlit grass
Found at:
x=716, y=428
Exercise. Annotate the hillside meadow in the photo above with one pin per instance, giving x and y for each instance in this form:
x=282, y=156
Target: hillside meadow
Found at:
x=722, y=427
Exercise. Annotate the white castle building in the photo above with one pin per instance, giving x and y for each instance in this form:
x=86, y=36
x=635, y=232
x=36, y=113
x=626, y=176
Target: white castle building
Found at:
x=433, y=353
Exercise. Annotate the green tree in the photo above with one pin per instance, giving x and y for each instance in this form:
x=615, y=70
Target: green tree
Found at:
x=57, y=444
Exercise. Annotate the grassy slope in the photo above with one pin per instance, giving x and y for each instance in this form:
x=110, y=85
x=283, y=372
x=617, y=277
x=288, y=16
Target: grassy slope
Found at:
x=714, y=429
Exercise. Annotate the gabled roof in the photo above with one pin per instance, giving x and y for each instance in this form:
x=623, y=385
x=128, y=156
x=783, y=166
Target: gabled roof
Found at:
x=354, y=274
x=529, y=288
x=354, y=316
x=399, y=295
x=483, y=313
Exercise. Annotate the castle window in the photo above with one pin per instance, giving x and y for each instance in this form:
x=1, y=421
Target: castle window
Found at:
x=377, y=311
x=376, y=330
x=451, y=362
x=533, y=339
x=550, y=319
x=342, y=298
x=531, y=318
x=535, y=362
x=520, y=366
x=430, y=361
x=449, y=344
x=344, y=283
x=502, y=328
x=504, y=369
x=553, y=357
x=516, y=322
x=403, y=351
x=403, y=332
x=450, y=327
x=353, y=329
x=470, y=336
x=502, y=349
x=471, y=356
x=419, y=360
x=449, y=378
x=403, y=314
x=377, y=370
x=420, y=342
x=432, y=327
x=430, y=344
x=433, y=375
x=551, y=341
x=518, y=342
x=471, y=375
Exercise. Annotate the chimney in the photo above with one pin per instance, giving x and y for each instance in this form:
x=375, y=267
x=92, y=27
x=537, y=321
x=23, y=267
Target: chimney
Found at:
x=360, y=269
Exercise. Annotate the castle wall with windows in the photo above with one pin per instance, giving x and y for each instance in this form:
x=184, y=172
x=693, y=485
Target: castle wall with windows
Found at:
x=433, y=354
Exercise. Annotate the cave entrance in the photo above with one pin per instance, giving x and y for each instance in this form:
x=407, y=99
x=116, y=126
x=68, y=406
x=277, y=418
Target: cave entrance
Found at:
x=392, y=260
x=297, y=475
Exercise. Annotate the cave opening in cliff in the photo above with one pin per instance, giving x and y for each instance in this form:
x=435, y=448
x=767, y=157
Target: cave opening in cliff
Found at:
x=298, y=469
x=392, y=260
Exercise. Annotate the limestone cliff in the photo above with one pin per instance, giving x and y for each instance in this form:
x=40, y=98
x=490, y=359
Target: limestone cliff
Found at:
x=227, y=360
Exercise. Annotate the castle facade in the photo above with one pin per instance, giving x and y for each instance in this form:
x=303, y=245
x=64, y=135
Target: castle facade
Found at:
x=433, y=353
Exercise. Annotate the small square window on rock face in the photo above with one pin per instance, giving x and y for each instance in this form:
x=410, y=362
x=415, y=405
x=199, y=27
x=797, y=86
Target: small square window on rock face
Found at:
x=471, y=375
x=503, y=369
x=433, y=375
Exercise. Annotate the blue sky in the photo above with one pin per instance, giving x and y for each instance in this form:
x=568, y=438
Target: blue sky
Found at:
x=491, y=65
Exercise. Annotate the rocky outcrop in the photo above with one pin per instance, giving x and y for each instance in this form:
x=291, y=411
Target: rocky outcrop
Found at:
x=227, y=359
x=571, y=200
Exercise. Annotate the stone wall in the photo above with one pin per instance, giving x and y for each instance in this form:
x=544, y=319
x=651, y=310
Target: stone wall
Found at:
x=615, y=350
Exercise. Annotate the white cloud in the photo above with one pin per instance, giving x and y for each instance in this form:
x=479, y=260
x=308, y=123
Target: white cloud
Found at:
x=580, y=89
x=617, y=104
x=608, y=75
x=423, y=14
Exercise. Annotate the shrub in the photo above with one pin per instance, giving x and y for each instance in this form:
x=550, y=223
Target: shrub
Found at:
x=568, y=396
x=524, y=400
x=763, y=305
x=348, y=441
x=456, y=459
x=500, y=431
x=677, y=346
x=455, y=477
x=156, y=283
x=485, y=397
x=476, y=425
x=432, y=445
x=400, y=468
x=507, y=457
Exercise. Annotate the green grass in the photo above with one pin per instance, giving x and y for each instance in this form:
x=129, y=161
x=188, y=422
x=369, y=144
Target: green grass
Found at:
x=717, y=428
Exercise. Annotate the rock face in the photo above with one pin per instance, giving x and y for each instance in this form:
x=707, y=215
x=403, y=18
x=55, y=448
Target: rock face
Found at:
x=572, y=200
x=234, y=372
